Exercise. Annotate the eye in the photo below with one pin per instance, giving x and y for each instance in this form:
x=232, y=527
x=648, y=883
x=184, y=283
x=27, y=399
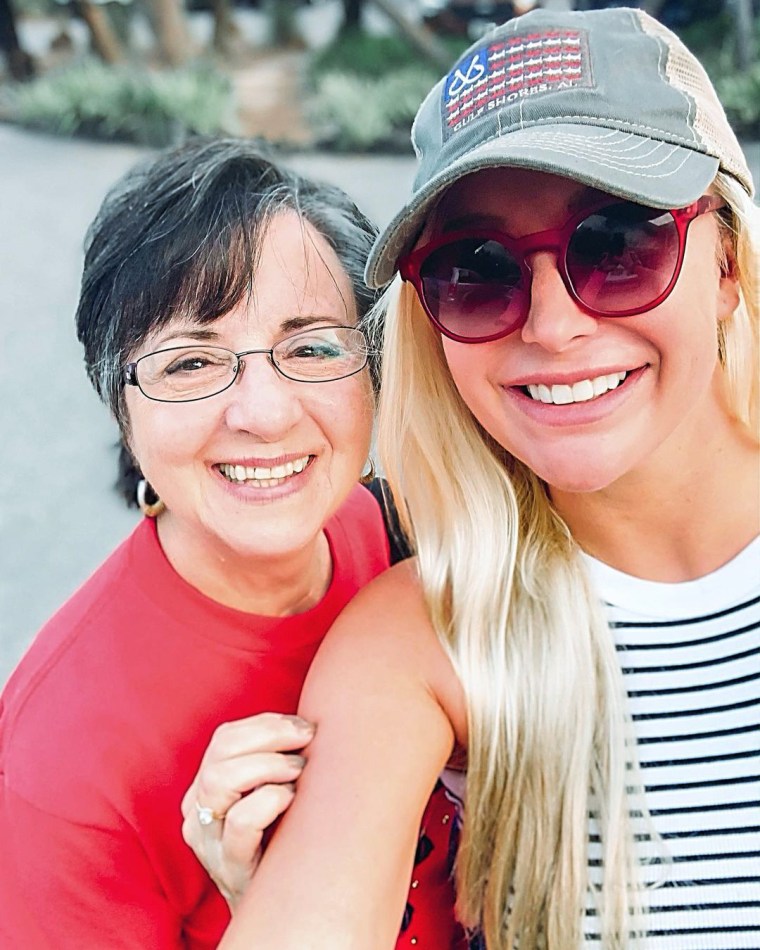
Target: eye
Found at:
x=315, y=351
x=312, y=346
x=194, y=362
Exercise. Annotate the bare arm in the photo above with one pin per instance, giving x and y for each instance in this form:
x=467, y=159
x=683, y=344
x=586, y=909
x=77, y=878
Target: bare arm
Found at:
x=337, y=873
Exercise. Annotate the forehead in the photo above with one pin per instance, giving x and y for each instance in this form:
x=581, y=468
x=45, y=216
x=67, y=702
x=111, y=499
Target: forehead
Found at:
x=500, y=195
x=297, y=281
x=295, y=259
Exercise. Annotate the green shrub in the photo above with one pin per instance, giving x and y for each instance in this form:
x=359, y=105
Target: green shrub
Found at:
x=362, y=54
x=713, y=41
x=740, y=95
x=150, y=108
x=357, y=112
x=368, y=89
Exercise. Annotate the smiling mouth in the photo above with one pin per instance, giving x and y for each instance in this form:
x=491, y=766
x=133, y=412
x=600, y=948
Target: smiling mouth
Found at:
x=262, y=477
x=583, y=391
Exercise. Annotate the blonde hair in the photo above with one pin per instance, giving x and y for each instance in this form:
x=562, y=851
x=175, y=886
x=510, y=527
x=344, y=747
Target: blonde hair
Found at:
x=550, y=740
x=739, y=334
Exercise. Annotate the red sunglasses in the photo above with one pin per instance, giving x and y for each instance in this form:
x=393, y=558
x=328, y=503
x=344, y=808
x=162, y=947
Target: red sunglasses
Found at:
x=616, y=259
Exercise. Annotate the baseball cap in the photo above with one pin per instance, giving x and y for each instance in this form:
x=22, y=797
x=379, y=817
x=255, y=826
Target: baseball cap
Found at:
x=610, y=98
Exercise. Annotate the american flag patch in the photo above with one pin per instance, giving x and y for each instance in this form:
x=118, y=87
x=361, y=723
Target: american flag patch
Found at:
x=503, y=72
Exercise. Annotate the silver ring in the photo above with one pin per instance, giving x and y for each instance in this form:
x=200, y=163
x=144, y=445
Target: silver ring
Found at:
x=206, y=815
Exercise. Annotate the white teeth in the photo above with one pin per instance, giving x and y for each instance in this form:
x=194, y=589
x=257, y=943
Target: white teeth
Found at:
x=582, y=391
x=261, y=477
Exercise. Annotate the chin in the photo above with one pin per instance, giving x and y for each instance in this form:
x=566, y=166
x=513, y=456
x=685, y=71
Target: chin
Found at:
x=580, y=480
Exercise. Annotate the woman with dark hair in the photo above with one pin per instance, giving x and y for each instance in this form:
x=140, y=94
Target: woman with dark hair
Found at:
x=223, y=317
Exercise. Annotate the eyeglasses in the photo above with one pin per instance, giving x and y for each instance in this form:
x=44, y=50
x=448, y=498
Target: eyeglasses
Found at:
x=188, y=373
x=616, y=260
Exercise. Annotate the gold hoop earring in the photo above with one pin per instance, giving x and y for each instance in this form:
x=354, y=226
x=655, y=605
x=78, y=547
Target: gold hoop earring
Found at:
x=151, y=509
x=366, y=477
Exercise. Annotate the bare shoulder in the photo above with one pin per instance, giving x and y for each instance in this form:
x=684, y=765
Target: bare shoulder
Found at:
x=386, y=631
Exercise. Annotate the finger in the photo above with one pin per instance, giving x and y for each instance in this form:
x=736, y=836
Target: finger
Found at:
x=220, y=785
x=231, y=856
x=245, y=825
x=200, y=837
x=266, y=732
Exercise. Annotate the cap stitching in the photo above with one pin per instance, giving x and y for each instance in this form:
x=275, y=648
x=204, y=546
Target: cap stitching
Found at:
x=621, y=126
x=594, y=157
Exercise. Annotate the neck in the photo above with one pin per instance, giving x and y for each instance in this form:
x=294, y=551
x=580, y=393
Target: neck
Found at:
x=272, y=586
x=673, y=522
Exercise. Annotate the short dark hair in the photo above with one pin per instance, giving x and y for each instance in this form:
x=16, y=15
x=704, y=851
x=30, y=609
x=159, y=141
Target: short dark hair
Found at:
x=180, y=234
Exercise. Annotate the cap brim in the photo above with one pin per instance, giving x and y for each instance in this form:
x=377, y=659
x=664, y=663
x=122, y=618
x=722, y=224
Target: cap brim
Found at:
x=631, y=166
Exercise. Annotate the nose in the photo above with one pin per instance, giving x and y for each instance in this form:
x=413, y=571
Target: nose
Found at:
x=262, y=401
x=555, y=321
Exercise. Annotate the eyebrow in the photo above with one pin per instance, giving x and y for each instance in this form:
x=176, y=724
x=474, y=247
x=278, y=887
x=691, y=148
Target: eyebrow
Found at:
x=209, y=335
x=577, y=203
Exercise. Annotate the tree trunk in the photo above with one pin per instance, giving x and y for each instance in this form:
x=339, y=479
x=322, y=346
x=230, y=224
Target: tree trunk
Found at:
x=653, y=7
x=105, y=42
x=352, y=15
x=20, y=63
x=418, y=34
x=167, y=17
x=224, y=27
x=744, y=28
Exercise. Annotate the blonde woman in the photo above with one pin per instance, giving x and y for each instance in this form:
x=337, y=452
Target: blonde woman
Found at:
x=570, y=414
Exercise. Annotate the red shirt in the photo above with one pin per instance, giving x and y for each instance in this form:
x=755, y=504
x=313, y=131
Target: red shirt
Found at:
x=102, y=728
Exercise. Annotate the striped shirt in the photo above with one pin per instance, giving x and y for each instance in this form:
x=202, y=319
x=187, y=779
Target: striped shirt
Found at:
x=690, y=655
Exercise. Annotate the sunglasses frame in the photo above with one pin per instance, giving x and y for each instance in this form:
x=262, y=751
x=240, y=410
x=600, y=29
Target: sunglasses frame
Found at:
x=553, y=239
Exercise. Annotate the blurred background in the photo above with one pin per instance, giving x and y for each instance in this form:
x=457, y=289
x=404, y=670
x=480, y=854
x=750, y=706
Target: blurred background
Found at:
x=87, y=87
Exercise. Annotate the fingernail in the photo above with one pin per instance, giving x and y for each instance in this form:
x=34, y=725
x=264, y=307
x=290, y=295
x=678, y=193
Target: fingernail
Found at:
x=301, y=724
x=297, y=761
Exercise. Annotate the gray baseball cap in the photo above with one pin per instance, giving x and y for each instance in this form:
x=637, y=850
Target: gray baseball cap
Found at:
x=609, y=98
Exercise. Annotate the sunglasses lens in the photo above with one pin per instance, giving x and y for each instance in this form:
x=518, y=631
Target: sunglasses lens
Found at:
x=623, y=257
x=474, y=288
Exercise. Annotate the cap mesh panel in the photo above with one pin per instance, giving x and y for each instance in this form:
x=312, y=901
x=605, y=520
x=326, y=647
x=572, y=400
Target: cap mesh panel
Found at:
x=710, y=124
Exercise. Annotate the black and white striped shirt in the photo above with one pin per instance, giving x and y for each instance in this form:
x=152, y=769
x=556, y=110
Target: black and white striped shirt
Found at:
x=690, y=655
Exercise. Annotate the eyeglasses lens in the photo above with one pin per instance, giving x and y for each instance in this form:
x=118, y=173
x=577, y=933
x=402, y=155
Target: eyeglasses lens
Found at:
x=618, y=259
x=474, y=288
x=323, y=354
x=186, y=373
x=622, y=257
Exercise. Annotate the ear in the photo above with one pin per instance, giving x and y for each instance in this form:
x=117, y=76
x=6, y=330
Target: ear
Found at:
x=728, y=285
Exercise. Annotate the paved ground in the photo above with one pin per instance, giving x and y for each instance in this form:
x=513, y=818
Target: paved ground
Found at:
x=58, y=514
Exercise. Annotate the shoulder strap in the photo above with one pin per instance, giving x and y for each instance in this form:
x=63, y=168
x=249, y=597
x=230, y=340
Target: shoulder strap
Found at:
x=400, y=548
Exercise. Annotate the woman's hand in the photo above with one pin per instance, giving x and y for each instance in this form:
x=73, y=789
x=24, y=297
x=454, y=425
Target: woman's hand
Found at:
x=246, y=780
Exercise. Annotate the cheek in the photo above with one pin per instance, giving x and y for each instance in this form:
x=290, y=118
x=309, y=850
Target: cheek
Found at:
x=165, y=437
x=343, y=412
x=353, y=416
x=468, y=365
